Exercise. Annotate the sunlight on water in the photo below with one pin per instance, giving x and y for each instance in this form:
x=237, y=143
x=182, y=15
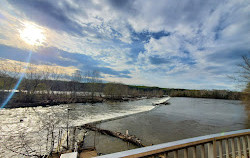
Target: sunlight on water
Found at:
x=30, y=121
x=183, y=118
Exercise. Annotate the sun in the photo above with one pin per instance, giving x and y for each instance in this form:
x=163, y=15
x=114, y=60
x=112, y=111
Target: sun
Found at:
x=32, y=34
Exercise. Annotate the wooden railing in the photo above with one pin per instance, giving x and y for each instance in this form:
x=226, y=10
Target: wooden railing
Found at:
x=234, y=144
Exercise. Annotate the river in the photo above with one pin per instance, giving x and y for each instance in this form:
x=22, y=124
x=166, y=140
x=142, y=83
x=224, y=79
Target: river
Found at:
x=182, y=118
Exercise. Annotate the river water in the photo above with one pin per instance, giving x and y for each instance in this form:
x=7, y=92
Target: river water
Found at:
x=182, y=118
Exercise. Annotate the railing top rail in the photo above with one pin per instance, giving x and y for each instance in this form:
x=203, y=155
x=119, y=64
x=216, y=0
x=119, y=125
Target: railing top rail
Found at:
x=155, y=149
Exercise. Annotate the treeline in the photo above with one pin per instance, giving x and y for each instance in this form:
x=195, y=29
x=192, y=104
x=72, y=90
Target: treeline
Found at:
x=50, y=85
x=246, y=98
x=215, y=94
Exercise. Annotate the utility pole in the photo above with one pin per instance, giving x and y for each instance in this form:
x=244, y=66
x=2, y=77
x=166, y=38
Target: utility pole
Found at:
x=68, y=128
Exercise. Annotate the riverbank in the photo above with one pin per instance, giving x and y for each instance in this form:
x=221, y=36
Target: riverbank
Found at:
x=209, y=94
x=15, y=103
x=65, y=99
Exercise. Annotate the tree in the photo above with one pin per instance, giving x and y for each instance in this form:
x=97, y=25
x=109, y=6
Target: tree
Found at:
x=244, y=73
x=49, y=74
x=31, y=82
x=246, y=96
x=76, y=78
x=244, y=77
x=9, y=74
x=115, y=90
x=93, y=81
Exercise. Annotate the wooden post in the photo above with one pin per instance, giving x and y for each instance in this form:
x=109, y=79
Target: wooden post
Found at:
x=248, y=140
x=73, y=139
x=220, y=149
x=238, y=146
x=210, y=150
x=233, y=148
x=68, y=128
x=244, y=146
x=52, y=140
x=59, y=140
x=127, y=142
x=165, y=155
x=214, y=149
x=185, y=153
x=176, y=154
x=126, y=132
x=94, y=136
x=194, y=152
x=227, y=148
x=47, y=140
x=202, y=151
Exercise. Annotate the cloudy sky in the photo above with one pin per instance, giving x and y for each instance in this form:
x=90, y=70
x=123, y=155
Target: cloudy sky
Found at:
x=191, y=44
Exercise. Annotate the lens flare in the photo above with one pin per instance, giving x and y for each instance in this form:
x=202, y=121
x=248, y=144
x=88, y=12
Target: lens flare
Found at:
x=32, y=34
x=18, y=82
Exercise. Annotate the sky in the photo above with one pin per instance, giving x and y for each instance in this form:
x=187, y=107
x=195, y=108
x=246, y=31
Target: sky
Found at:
x=192, y=44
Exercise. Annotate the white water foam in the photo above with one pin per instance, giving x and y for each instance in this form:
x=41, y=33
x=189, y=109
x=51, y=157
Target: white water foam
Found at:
x=29, y=123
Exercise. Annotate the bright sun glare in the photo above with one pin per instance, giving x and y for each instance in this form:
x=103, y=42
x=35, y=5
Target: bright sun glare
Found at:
x=32, y=34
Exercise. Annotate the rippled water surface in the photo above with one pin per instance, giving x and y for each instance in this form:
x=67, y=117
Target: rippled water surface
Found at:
x=183, y=118
x=28, y=126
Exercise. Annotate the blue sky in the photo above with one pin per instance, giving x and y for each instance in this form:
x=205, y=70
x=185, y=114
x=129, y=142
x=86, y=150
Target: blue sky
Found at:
x=192, y=44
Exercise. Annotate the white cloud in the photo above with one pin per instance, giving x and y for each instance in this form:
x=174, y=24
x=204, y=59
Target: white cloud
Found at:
x=165, y=46
x=203, y=41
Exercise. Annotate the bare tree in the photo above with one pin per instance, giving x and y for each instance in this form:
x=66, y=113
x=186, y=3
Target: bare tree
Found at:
x=115, y=90
x=30, y=83
x=50, y=74
x=3, y=79
x=244, y=77
x=244, y=74
x=93, y=80
x=9, y=74
x=76, y=78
